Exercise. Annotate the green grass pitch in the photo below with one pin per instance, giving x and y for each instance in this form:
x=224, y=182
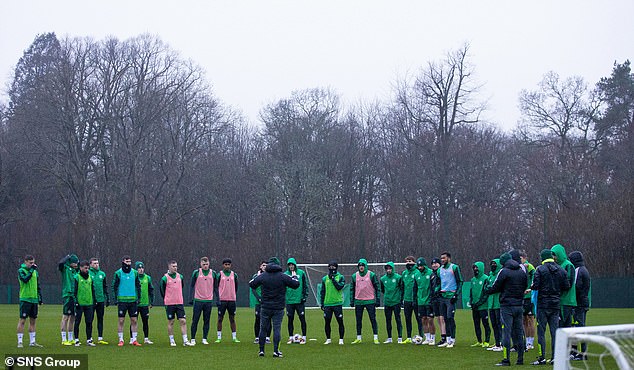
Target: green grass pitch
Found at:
x=313, y=355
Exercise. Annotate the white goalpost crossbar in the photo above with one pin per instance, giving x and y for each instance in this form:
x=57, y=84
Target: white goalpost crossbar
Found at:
x=601, y=335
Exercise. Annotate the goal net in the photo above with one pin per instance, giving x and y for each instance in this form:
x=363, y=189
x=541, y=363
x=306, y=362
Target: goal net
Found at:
x=608, y=346
x=316, y=271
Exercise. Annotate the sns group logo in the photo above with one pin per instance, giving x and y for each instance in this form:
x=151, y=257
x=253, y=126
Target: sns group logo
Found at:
x=36, y=361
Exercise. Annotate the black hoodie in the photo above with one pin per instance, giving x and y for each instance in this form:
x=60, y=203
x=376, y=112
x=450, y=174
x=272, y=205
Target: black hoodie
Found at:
x=582, y=279
x=274, y=283
x=549, y=281
x=511, y=283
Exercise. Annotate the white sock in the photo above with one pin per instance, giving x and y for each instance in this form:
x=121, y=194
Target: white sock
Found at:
x=134, y=333
x=433, y=337
x=20, y=335
x=340, y=341
x=376, y=337
x=233, y=335
x=63, y=336
x=70, y=335
x=171, y=338
x=120, y=336
x=529, y=340
x=184, y=338
x=427, y=336
x=359, y=337
x=99, y=338
x=449, y=340
x=32, y=336
x=219, y=335
x=304, y=337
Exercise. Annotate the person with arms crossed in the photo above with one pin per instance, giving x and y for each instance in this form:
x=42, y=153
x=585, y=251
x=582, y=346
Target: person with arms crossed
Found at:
x=101, y=296
x=296, y=300
x=67, y=267
x=171, y=288
x=30, y=299
x=331, y=300
x=227, y=291
x=392, y=289
x=274, y=285
x=127, y=290
x=202, y=297
x=146, y=300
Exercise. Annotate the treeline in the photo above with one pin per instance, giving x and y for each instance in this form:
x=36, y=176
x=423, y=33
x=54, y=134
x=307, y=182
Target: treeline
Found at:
x=120, y=147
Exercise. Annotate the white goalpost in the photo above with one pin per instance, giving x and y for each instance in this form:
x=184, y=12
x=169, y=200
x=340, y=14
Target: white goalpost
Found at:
x=315, y=272
x=616, y=343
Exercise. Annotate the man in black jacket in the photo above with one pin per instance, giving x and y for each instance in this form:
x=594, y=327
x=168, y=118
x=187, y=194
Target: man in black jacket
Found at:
x=511, y=284
x=549, y=281
x=582, y=286
x=274, y=283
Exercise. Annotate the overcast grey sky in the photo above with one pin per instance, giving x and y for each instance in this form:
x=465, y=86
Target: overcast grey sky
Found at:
x=258, y=51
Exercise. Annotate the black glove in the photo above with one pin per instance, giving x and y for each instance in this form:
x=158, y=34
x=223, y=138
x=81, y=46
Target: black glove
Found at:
x=352, y=303
x=218, y=304
x=322, y=307
x=191, y=303
x=377, y=303
x=303, y=300
x=34, y=267
x=107, y=302
x=453, y=299
x=402, y=304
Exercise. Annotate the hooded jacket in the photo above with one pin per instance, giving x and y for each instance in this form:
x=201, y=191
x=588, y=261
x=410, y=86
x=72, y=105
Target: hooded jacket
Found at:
x=375, y=284
x=422, y=284
x=582, y=280
x=392, y=287
x=478, y=284
x=274, y=283
x=549, y=281
x=511, y=282
x=494, y=299
x=408, y=282
x=101, y=286
x=568, y=296
x=299, y=295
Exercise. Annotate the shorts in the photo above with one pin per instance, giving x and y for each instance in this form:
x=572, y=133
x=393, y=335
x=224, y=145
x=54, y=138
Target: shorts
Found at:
x=291, y=309
x=28, y=309
x=425, y=311
x=528, y=307
x=330, y=310
x=228, y=306
x=175, y=311
x=68, y=306
x=435, y=305
x=144, y=311
x=127, y=307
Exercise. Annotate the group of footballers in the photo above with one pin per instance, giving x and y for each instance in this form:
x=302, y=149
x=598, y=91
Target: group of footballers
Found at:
x=428, y=293
x=85, y=295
